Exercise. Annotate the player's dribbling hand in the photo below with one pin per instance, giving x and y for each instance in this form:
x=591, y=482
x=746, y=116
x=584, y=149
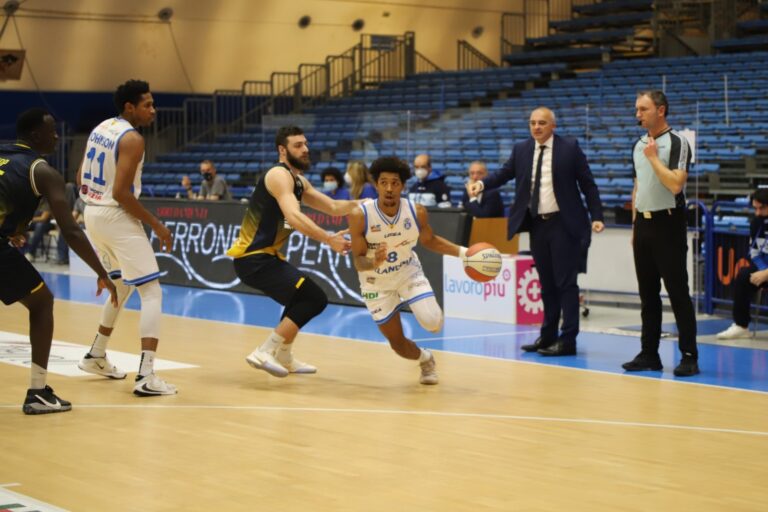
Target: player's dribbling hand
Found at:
x=107, y=284
x=164, y=235
x=339, y=243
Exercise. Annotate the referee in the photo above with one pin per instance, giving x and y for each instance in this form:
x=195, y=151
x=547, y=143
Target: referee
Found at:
x=660, y=159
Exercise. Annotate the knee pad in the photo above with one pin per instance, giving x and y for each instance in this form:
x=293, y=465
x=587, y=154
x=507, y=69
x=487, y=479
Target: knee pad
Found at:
x=151, y=309
x=108, y=312
x=428, y=314
x=308, y=302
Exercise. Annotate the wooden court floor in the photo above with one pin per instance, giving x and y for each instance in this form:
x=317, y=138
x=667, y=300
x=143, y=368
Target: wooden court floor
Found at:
x=363, y=435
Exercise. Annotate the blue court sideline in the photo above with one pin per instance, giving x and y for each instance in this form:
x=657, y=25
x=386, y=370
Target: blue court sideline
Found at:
x=734, y=367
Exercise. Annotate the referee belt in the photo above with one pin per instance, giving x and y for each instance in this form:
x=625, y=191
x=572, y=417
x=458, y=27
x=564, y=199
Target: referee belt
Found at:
x=656, y=214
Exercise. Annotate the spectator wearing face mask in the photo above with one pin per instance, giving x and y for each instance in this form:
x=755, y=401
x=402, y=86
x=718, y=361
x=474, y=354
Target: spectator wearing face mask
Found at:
x=359, y=181
x=213, y=187
x=333, y=184
x=431, y=189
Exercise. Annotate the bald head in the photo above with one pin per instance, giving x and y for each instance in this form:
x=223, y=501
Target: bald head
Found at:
x=422, y=165
x=542, y=124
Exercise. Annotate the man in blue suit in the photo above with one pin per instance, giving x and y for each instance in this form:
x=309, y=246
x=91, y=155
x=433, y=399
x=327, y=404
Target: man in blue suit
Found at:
x=551, y=174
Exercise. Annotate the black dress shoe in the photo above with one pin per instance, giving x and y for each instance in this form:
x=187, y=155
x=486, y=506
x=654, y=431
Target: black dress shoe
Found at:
x=688, y=367
x=533, y=347
x=559, y=348
x=644, y=362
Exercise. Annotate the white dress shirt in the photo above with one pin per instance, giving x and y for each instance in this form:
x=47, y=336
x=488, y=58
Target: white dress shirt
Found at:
x=547, y=201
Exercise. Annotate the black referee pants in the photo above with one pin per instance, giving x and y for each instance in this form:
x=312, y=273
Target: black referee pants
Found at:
x=660, y=247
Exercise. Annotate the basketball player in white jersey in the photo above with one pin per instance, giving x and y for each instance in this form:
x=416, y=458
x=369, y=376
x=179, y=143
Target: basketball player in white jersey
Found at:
x=110, y=184
x=384, y=232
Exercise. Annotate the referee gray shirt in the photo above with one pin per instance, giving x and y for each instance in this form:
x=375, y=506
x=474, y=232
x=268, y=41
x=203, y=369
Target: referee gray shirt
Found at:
x=675, y=153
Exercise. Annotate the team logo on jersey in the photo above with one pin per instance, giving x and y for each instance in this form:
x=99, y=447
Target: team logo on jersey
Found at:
x=407, y=223
x=370, y=280
x=376, y=228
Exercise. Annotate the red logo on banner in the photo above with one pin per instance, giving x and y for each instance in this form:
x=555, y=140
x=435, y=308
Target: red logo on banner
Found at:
x=530, y=308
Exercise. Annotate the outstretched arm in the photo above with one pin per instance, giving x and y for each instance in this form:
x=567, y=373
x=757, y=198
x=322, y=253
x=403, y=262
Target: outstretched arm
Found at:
x=280, y=185
x=51, y=185
x=433, y=242
x=321, y=202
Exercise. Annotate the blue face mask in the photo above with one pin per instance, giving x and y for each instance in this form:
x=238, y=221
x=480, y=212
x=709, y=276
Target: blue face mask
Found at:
x=330, y=186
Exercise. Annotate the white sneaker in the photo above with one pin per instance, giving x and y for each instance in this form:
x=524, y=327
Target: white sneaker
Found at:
x=734, y=332
x=293, y=365
x=428, y=372
x=265, y=361
x=100, y=366
x=152, y=385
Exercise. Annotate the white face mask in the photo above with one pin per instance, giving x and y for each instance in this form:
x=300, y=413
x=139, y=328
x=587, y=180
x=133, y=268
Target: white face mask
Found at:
x=347, y=178
x=330, y=186
x=421, y=173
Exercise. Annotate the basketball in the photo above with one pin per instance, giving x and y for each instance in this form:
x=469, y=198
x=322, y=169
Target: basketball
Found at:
x=482, y=262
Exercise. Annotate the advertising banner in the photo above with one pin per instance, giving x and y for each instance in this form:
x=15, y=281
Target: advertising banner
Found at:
x=514, y=297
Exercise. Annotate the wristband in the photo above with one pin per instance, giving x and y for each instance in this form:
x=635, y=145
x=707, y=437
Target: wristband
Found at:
x=463, y=253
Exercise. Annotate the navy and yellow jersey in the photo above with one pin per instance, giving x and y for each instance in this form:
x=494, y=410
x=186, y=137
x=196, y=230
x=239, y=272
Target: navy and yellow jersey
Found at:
x=19, y=197
x=264, y=229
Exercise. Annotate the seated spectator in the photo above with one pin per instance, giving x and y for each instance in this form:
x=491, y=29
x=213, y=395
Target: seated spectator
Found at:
x=431, y=189
x=40, y=225
x=359, y=180
x=186, y=183
x=749, y=279
x=487, y=203
x=214, y=187
x=333, y=184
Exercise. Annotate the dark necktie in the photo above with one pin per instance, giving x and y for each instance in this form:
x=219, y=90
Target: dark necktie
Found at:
x=537, y=183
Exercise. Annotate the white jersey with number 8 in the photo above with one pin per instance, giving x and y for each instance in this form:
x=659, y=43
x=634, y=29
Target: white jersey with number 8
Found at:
x=100, y=163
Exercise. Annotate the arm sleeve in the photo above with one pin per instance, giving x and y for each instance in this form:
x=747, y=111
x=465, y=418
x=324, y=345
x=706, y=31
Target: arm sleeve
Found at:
x=679, y=153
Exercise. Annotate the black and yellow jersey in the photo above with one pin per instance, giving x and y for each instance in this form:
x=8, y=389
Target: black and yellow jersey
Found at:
x=264, y=229
x=19, y=197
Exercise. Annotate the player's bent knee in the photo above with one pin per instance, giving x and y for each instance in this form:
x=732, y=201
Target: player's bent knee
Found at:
x=428, y=314
x=151, y=309
x=308, y=302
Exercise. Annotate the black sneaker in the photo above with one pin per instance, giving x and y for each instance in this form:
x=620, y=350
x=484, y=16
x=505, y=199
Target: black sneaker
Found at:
x=44, y=401
x=644, y=362
x=688, y=367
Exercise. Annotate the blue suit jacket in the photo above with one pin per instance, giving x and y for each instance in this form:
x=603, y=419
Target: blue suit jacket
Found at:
x=570, y=178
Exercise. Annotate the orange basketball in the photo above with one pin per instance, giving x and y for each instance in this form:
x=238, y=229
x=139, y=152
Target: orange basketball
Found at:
x=482, y=262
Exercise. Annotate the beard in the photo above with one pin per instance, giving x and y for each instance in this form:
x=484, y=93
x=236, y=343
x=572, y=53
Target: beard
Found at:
x=298, y=163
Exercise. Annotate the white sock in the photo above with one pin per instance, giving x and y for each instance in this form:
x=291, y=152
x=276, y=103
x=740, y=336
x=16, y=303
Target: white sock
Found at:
x=99, y=347
x=272, y=343
x=284, y=352
x=147, y=365
x=38, y=377
x=424, y=356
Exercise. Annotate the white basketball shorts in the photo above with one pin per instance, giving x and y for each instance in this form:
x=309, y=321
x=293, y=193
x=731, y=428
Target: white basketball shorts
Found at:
x=122, y=244
x=385, y=300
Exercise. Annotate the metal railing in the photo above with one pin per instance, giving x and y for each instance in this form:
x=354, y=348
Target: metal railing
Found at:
x=376, y=59
x=468, y=57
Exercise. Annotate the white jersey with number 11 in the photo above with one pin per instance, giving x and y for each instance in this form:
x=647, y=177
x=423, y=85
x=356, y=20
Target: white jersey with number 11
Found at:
x=100, y=163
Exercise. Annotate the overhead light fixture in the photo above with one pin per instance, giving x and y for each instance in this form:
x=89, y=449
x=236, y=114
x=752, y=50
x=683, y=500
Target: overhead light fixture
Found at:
x=165, y=14
x=10, y=7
